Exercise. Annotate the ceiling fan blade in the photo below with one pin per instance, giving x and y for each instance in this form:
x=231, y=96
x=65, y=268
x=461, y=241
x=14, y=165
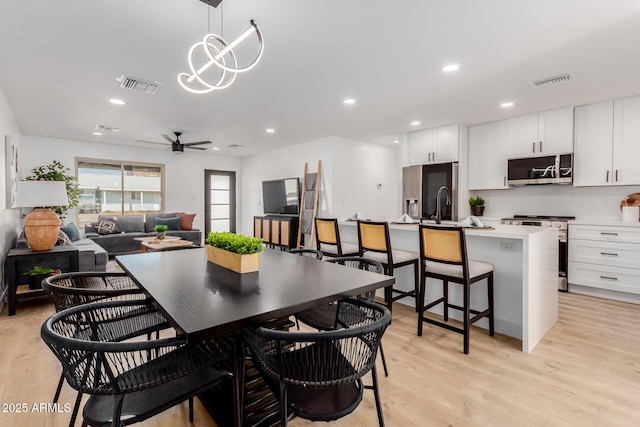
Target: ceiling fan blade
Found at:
x=194, y=148
x=197, y=143
x=152, y=142
x=167, y=138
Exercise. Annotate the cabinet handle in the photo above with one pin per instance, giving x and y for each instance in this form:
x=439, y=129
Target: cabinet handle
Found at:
x=533, y=148
x=608, y=253
x=607, y=176
x=541, y=146
x=429, y=156
x=616, y=175
x=604, y=233
x=504, y=180
x=434, y=156
x=608, y=277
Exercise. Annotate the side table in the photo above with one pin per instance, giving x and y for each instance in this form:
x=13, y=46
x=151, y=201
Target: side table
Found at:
x=18, y=261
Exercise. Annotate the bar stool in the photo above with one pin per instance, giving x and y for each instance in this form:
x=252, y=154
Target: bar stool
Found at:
x=328, y=239
x=443, y=256
x=374, y=243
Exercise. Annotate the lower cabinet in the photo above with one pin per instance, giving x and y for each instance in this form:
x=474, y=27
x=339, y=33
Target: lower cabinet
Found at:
x=605, y=257
x=281, y=231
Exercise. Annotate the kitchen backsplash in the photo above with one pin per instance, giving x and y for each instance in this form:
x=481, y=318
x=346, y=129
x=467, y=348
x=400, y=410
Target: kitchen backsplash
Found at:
x=582, y=202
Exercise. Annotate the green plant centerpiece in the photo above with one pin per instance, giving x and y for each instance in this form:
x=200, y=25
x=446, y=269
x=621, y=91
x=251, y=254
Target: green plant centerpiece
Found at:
x=477, y=205
x=37, y=274
x=235, y=252
x=57, y=172
x=161, y=231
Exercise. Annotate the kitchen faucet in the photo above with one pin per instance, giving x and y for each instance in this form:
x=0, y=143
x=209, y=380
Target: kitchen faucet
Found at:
x=438, y=216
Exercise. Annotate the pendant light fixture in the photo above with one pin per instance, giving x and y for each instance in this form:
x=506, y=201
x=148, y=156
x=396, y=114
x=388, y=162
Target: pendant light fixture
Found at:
x=218, y=53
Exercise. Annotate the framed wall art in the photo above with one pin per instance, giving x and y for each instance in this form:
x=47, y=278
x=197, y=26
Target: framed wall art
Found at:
x=12, y=170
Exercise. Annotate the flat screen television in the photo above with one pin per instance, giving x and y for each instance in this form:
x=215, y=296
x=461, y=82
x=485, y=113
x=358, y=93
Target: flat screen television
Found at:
x=281, y=196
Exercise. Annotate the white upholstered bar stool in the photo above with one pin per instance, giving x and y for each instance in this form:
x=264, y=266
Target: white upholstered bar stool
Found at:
x=443, y=256
x=374, y=243
x=328, y=239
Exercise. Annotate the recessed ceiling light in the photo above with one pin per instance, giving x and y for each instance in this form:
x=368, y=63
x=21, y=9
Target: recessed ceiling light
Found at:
x=396, y=141
x=349, y=101
x=451, y=67
x=415, y=123
x=270, y=130
x=216, y=148
x=97, y=133
x=506, y=104
x=116, y=101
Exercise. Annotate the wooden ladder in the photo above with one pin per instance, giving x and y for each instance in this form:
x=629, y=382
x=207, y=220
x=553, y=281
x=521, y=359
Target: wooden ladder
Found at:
x=309, y=204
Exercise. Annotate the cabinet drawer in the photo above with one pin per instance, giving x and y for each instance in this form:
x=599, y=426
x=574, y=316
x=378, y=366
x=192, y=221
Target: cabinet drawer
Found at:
x=608, y=253
x=605, y=233
x=604, y=277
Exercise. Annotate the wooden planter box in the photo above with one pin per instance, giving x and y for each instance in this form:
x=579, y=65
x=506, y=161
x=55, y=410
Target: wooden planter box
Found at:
x=232, y=261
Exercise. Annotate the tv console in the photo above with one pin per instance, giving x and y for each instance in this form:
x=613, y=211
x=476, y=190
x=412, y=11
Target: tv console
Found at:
x=277, y=230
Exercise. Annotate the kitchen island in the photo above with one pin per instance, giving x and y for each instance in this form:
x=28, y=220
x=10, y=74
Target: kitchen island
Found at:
x=525, y=276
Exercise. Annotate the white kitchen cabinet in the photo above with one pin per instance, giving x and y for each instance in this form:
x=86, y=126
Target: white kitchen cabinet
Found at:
x=437, y=145
x=593, y=145
x=626, y=141
x=607, y=143
x=541, y=134
x=488, y=147
x=605, y=257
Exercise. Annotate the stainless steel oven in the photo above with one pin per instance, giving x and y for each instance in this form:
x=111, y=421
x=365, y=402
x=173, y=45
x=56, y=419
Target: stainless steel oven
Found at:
x=559, y=222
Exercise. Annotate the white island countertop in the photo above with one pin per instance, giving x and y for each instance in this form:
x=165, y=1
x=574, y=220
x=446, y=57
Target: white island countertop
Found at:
x=525, y=275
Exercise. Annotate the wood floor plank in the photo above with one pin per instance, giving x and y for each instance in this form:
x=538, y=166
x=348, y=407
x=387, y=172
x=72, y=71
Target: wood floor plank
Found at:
x=585, y=372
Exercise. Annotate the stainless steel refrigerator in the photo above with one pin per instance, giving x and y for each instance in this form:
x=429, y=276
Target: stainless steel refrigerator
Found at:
x=420, y=185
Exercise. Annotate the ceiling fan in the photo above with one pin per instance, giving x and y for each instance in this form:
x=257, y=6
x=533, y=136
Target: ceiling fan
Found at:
x=178, y=147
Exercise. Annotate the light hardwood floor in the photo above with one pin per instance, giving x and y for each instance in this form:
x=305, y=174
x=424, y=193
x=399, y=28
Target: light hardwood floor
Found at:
x=585, y=372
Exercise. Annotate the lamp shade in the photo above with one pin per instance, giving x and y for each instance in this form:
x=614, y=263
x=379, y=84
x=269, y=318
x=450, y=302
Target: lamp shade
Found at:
x=33, y=194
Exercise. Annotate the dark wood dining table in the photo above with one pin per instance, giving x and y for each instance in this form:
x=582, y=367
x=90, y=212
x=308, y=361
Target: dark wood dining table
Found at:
x=202, y=300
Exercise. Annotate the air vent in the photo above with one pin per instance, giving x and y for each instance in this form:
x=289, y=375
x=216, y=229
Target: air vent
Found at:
x=105, y=128
x=553, y=81
x=235, y=145
x=139, y=85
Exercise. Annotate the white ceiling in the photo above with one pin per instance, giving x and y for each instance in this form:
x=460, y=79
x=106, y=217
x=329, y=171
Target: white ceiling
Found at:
x=60, y=60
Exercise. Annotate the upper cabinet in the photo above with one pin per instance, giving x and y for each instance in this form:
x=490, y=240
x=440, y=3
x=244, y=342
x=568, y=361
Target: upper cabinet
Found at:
x=607, y=143
x=541, y=134
x=488, y=147
x=437, y=145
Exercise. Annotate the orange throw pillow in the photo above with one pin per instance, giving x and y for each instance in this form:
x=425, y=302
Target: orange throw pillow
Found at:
x=186, y=220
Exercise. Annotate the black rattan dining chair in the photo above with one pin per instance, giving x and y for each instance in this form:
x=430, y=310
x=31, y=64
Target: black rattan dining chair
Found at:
x=324, y=317
x=311, y=253
x=73, y=289
x=318, y=375
x=130, y=381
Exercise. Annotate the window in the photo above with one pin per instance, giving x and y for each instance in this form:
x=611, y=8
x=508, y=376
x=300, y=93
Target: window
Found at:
x=111, y=187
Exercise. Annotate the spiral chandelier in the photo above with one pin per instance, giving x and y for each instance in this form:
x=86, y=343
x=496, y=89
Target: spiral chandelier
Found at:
x=213, y=63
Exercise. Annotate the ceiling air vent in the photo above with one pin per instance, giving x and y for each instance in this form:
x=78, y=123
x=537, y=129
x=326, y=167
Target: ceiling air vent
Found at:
x=104, y=128
x=235, y=145
x=139, y=85
x=553, y=81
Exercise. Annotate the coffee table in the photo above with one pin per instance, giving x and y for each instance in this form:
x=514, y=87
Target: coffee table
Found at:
x=151, y=244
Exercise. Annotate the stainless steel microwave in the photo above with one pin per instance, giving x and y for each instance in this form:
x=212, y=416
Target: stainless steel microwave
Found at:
x=555, y=169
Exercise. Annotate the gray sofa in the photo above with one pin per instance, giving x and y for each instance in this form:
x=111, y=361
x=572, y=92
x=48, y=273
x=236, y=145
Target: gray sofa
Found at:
x=92, y=257
x=132, y=226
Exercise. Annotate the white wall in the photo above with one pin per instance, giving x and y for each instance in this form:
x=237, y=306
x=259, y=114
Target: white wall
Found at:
x=350, y=171
x=9, y=218
x=184, y=173
x=358, y=168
